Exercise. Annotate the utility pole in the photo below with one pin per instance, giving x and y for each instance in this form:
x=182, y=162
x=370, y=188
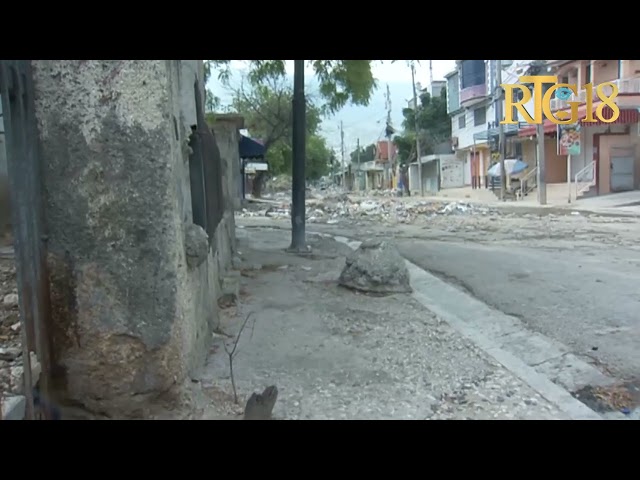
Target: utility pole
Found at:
x=542, y=185
x=389, y=133
x=358, y=156
x=344, y=176
x=501, y=143
x=534, y=69
x=417, y=128
x=298, y=185
x=431, y=73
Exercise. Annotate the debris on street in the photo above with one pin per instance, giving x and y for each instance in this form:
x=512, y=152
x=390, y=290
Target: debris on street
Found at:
x=12, y=400
x=442, y=218
x=333, y=207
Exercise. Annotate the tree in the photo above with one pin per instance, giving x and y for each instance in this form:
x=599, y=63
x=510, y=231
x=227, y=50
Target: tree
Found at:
x=318, y=157
x=367, y=154
x=317, y=161
x=211, y=101
x=267, y=109
x=434, y=126
x=340, y=81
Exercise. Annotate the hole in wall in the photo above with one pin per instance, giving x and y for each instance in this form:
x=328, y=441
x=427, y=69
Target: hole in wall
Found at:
x=175, y=128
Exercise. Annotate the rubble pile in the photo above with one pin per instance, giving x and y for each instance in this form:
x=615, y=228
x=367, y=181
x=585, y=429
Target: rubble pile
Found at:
x=383, y=193
x=277, y=184
x=10, y=332
x=333, y=207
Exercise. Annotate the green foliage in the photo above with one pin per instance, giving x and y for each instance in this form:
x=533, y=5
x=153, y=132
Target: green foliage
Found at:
x=318, y=157
x=367, y=154
x=267, y=109
x=264, y=100
x=434, y=127
x=340, y=81
x=211, y=101
x=406, y=147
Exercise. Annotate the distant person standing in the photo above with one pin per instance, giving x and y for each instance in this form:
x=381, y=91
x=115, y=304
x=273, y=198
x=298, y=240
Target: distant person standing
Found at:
x=404, y=178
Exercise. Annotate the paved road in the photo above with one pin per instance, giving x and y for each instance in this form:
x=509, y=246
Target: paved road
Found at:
x=587, y=299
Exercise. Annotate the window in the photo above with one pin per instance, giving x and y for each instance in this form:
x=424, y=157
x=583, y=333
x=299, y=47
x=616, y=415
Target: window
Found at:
x=587, y=74
x=479, y=116
x=473, y=72
x=462, y=121
x=565, y=79
x=518, y=150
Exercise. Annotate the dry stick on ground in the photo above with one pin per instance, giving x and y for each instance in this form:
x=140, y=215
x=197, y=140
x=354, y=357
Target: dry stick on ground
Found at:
x=232, y=353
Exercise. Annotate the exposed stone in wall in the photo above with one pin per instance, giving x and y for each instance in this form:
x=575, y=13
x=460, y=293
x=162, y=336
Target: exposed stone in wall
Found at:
x=196, y=245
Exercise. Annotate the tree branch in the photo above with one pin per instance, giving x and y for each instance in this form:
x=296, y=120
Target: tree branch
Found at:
x=232, y=353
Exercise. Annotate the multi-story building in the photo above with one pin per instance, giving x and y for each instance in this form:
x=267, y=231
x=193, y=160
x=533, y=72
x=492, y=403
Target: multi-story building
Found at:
x=437, y=86
x=470, y=106
x=609, y=158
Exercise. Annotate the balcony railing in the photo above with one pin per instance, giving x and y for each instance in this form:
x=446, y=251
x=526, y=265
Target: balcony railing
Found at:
x=494, y=132
x=472, y=93
x=585, y=179
x=625, y=85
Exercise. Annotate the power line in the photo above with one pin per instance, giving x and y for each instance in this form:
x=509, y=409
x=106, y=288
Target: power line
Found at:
x=344, y=184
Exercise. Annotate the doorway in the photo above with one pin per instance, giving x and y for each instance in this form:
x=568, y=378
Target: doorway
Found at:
x=622, y=177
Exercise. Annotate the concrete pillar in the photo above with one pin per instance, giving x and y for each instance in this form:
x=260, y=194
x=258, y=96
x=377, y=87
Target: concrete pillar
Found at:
x=625, y=68
x=5, y=223
x=226, y=128
x=581, y=74
x=132, y=317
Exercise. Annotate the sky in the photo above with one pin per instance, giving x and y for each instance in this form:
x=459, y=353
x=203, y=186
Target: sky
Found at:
x=363, y=123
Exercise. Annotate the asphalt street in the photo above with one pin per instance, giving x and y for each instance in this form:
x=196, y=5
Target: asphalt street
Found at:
x=587, y=299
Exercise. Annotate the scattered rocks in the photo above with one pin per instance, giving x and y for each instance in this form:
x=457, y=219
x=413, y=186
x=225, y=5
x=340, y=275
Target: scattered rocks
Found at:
x=196, y=244
x=11, y=379
x=10, y=300
x=9, y=354
x=333, y=207
x=376, y=267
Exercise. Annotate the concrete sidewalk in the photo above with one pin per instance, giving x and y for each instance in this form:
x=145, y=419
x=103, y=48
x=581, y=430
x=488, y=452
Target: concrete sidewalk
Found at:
x=335, y=354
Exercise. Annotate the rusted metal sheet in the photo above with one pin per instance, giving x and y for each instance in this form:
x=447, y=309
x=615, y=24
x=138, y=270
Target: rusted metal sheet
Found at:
x=205, y=167
x=26, y=199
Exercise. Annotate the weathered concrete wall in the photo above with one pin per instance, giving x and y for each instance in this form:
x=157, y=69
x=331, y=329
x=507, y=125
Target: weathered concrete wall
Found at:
x=131, y=317
x=226, y=129
x=5, y=220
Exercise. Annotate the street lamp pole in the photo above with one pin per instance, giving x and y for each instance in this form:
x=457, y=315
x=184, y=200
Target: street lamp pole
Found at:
x=298, y=184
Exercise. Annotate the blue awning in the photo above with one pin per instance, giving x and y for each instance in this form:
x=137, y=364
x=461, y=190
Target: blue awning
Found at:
x=249, y=148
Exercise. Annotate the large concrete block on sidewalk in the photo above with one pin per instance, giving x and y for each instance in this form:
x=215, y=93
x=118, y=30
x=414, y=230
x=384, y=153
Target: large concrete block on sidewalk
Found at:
x=376, y=267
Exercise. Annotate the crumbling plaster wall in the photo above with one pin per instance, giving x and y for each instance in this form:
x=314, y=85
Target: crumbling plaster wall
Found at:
x=5, y=223
x=131, y=318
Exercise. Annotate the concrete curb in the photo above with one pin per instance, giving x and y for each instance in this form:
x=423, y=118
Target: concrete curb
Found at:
x=555, y=394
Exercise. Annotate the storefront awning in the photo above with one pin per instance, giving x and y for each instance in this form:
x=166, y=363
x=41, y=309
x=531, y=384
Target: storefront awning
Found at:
x=249, y=148
x=626, y=117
